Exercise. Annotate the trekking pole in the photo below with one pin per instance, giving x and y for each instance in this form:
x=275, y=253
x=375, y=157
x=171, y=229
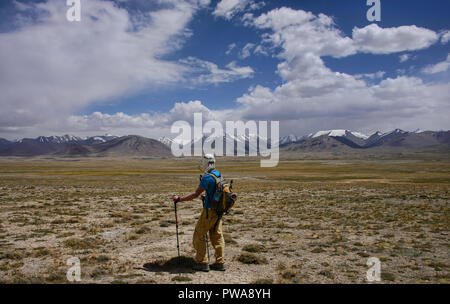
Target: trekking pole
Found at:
x=207, y=247
x=176, y=224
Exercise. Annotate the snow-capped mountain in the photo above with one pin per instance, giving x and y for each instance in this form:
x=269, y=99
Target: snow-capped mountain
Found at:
x=59, y=139
x=168, y=141
x=285, y=140
x=68, y=139
x=249, y=142
x=69, y=145
x=394, y=139
x=98, y=139
x=338, y=133
x=374, y=138
x=350, y=138
x=329, y=140
x=379, y=139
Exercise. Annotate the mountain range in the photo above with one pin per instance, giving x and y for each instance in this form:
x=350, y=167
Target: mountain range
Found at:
x=133, y=145
x=68, y=145
x=345, y=139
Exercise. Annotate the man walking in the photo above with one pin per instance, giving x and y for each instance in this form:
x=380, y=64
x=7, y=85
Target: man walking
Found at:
x=209, y=220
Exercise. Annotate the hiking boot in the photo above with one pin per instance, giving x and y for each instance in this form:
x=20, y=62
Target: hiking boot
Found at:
x=201, y=267
x=217, y=267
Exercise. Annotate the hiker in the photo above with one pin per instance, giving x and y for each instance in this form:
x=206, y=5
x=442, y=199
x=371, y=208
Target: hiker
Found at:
x=209, y=220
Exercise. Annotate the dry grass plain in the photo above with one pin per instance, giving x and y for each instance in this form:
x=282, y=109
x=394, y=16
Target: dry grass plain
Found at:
x=315, y=221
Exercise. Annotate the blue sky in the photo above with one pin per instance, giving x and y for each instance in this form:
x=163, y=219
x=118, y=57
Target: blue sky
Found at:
x=102, y=76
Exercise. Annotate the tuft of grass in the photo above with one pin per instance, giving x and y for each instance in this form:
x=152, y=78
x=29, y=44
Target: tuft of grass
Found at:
x=56, y=277
x=247, y=258
x=102, y=258
x=288, y=275
x=142, y=230
x=387, y=276
x=327, y=273
x=132, y=237
x=254, y=248
x=97, y=273
x=77, y=244
x=181, y=279
x=317, y=250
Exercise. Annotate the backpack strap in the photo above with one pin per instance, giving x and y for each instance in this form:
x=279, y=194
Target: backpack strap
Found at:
x=218, y=179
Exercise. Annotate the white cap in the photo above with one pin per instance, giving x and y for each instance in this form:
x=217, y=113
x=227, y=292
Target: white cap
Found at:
x=208, y=162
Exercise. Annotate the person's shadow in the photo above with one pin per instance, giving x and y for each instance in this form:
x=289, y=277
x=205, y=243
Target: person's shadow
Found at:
x=180, y=264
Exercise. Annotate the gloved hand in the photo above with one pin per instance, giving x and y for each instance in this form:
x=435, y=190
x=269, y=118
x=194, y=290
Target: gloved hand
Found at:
x=176, y=198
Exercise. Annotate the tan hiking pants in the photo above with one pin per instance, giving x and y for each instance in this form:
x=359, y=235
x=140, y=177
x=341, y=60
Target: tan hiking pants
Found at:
x=205, y=224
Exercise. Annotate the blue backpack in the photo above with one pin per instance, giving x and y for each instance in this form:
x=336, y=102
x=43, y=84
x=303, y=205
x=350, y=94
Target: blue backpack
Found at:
x=223, y=198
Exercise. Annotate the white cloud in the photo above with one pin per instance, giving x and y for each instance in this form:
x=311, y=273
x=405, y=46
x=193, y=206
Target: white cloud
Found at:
x=445, y=37
x=246, y=50
x=297, y=31
x=208, y=72
x=229, y=8
x=376, y=40
x=145, y=124
x=300, y=31
x=377, y=75
x=256, y=5
x=259, y=49
x=231, y=46
x=312, y=96
x=111, y=122
x=438, y=67
x=52, y=67
x=404, y=57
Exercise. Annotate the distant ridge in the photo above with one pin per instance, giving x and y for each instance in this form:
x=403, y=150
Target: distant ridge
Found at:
x=131, y=145
x=107, y=145
x=396, y=139
x=134, y=145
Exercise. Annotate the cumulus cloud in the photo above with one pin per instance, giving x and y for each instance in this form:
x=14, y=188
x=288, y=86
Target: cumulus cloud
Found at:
x=145, y=124
x=52, y=68
x=312, y=96
x=376, y=40
x=438, y=67
x=319, y=35
x=111, y=122
x=297, y=31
